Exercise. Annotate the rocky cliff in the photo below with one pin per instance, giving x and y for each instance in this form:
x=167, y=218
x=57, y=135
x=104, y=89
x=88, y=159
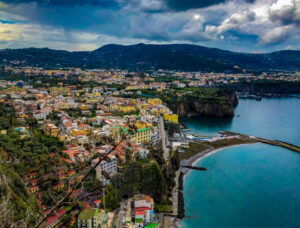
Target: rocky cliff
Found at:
x=204, y=109
x=220, y=105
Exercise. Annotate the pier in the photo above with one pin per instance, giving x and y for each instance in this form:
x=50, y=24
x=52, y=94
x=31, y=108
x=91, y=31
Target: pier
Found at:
x=285, y=145
x=194, y=167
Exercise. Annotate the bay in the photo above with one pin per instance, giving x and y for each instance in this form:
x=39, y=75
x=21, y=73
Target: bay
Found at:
x=255, y=185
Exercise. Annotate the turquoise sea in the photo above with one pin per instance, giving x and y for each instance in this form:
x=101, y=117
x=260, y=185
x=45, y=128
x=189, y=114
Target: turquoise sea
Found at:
x=255, y=185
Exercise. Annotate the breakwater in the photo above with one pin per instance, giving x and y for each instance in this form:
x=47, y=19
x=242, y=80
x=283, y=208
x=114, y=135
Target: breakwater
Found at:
x=194, y=167
x=285, y=145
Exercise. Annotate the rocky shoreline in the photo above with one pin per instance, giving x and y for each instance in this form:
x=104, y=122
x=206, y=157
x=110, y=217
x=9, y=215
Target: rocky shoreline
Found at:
x=183, y=171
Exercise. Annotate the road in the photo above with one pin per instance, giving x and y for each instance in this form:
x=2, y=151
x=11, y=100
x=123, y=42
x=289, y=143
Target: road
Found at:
x=121, y=216
x=162, y=134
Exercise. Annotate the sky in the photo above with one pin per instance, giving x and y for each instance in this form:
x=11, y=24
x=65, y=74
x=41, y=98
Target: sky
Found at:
x=254, y=26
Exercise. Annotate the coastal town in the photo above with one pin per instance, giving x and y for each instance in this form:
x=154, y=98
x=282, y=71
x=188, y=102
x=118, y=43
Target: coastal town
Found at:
x=149, y=113
x=97, y=125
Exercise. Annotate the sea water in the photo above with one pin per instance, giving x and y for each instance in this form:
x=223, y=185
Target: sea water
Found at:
x=255, y=185
x=272, y=118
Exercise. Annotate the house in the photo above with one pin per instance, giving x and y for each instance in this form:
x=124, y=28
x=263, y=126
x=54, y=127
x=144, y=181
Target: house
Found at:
x=127, y=109
x=53, y=220
x=40, y=115
x=34, y=182
x=89, y=218
x=108, y=166
x=144, y=208
x=59, y=186
x=171, y=117
x=31, y=175
x=34, y=189
x=142, y=135
x=62, y=171
x=71, y=173
x=155, y=101
x=62, y=176
x=97, y=203
x=51, y=129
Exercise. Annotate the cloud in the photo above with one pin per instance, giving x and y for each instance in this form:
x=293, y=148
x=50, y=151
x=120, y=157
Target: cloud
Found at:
x=242, y=25
x=233, y=22
x=287, y=12
x=66, y=3
x=275, y=35
x=181, y=5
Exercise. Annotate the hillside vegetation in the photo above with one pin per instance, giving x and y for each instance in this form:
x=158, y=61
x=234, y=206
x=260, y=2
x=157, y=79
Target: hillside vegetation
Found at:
x=141, y=56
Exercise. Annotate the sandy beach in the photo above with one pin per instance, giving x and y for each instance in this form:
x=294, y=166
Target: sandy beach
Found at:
x=192, y=161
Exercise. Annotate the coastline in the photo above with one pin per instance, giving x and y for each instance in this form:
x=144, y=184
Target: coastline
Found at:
x=192, y=161
x=184, y=171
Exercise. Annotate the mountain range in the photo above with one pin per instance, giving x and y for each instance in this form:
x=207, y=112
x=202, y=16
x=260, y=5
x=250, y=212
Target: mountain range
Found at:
x=184, y=57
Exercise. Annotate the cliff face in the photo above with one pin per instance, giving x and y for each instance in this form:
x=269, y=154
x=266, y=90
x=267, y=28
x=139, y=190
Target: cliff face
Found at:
x=204, y=107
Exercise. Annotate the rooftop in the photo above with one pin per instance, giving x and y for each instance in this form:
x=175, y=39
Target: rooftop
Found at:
x=88, y=214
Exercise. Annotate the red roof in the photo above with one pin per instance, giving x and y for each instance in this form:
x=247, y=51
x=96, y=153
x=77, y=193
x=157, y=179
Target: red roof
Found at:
x=34, y=187
x=57, y=215
x=148, y=198
x=97, y=201
x=140, y=212
x=47, y=211
x=87, y=205
x=68, y=161
x=34, y=181
x=62, y=175
x=143, y=209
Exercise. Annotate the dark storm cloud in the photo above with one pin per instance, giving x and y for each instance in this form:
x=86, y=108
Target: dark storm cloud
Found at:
x=66, y=3
x=78, y=17
x=181, y=5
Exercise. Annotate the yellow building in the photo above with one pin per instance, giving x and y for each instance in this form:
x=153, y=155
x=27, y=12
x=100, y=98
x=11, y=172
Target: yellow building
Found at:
x=131, y=88
x=140, y=124
x=62, y=138
x=155, y=101
x=96, y=94
x=171, y=117
x=118, y=132
x=76, y=132
x=51, y=129
x=59, y=90
x=127, y=109
x=142, y=135
x=83, y=107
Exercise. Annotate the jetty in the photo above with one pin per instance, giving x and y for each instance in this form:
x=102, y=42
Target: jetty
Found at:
x=194, y=167
x=285, y=145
